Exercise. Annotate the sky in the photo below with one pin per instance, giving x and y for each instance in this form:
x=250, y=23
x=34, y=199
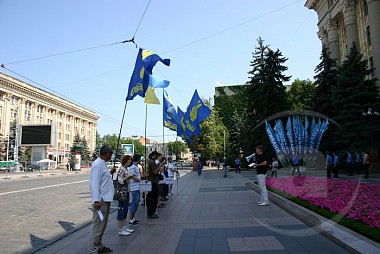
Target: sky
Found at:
x=209, y=43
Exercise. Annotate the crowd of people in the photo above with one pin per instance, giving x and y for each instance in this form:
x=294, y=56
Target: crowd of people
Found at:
x=129, y=176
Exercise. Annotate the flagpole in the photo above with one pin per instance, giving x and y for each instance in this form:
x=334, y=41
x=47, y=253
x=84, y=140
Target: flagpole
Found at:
x=118, y=139
x=146, y=117
x=163, y=127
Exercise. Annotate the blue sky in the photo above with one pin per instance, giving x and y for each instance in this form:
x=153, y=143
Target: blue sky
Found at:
x=208, y=41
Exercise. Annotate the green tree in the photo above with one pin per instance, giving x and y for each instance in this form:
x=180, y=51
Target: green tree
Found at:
x=325, y=81
x=176, y=147
x=300, y=94
x=266, y=92
x=230, y=107
x=210, y=142
x=355, y=92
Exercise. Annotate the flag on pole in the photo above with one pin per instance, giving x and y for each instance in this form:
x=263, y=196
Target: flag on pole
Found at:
x=151, y=97
x=156, y=82
x=170, y=116
x=139, y=82
x=197, y=111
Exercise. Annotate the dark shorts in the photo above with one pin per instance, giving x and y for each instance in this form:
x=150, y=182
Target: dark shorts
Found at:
x=122, y=209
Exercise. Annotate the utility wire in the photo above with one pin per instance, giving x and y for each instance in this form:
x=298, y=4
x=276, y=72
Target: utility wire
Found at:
x=63, y=53
x=63, y=96
x=138, y=26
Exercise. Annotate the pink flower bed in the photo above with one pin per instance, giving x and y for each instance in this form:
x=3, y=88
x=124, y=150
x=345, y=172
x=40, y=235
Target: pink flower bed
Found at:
x=356, y=200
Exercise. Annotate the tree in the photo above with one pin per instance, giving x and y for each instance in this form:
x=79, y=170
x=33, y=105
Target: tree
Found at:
x=354, y=93
x=325, y=81
x=300, y=94
x=266, y=92
x=177, y=147
x=210, y=143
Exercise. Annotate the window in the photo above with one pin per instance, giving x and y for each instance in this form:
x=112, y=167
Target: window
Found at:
x=365, y=8
x=371, y=65
x=368, y=36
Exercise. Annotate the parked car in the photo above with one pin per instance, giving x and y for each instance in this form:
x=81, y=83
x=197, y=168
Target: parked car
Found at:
x=33, y=167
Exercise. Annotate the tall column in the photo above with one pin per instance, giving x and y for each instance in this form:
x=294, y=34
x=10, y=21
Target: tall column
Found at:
x=322, y=35
x=333, y=38
x=350, y=23
x=374, y=23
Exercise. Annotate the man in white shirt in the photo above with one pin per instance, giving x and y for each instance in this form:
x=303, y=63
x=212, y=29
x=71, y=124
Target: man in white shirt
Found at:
x=102, y=191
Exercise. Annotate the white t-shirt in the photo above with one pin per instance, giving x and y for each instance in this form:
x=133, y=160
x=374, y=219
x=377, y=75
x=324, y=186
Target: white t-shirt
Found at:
x=170, y=172
x=274, y=165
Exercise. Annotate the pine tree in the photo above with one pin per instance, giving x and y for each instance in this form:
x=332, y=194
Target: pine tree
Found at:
x=266, y=92
x=355, y=92
x=325, y=81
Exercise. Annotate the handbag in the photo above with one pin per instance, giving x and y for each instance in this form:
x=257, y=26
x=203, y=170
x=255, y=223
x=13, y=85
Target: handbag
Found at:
x=121, y=190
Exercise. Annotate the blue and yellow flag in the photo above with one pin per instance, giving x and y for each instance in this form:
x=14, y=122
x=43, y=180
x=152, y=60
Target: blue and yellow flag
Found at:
x=170, y=116
x=197, y=111
x=139, y=82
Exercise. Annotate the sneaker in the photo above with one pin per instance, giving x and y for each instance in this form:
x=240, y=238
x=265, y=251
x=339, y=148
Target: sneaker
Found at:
x=123, y=232
x=128, y=230
x=133, y=223
x=259, y=202
x=137, y=221
x=264, y=203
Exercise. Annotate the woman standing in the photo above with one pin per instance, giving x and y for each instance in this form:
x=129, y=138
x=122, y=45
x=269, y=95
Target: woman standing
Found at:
x=122, y=211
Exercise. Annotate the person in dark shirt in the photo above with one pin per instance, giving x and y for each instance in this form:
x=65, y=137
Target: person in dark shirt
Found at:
x=261, y=164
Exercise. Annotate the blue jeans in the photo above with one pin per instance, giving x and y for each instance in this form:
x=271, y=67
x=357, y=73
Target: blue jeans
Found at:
x=122, y=209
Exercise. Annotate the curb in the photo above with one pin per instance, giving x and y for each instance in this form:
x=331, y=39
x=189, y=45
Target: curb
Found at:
x=344, y=237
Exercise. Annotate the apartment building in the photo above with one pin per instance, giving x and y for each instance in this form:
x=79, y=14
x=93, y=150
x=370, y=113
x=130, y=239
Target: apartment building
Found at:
x=29, y=105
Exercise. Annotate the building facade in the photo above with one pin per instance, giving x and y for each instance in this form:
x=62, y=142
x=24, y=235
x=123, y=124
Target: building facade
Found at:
x=27, y=104
x=342, y=22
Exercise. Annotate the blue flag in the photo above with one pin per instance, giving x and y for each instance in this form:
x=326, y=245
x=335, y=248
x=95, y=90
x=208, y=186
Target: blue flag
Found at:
x=170, y=116
x=139, y=82
x=181, y=127
x=197, y=111
x=156, y=82
x=272, y=138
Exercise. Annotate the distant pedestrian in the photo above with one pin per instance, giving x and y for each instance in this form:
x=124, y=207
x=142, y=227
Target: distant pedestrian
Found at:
x=237, y=165
x=358, y=162
x=329, y=164
x=366, y=163
x=218, y=163
x=275, y=166
x=225, y=166
x=335, y=164
x=102, y=191
x=198, y=165
x=350, y=163
x=261, y=164
x=295, y=162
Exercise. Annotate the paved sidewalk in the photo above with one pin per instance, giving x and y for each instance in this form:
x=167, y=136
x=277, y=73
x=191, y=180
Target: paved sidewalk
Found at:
x=213, y=214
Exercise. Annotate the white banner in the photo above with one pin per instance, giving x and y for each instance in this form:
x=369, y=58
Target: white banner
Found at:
x=169, y=180
x=145, y=186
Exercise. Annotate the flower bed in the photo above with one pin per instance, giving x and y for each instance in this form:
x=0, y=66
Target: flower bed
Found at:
x=343, y=198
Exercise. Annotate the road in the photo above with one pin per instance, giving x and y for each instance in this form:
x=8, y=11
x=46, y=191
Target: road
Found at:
x=37, y=211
